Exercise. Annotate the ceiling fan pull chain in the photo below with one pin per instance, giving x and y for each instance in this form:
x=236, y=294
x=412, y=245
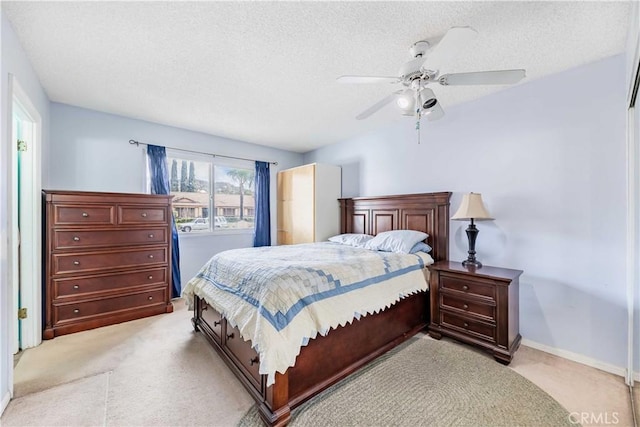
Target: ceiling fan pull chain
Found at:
x=418, y=123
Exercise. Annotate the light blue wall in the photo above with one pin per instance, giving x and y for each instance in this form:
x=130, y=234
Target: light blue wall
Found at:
x=90, y=152
x=548, y=157
x=15, y=62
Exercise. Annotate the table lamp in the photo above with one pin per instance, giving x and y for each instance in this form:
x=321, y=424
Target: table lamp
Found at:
x=472, y=208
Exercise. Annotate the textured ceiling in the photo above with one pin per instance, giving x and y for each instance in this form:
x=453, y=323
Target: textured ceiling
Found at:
x=265, y=72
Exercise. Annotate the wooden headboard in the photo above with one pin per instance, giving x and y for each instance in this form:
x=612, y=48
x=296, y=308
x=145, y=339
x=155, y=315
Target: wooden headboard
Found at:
x=427, y=212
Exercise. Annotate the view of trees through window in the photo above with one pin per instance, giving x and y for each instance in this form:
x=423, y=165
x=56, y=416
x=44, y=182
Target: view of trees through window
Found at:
x=210, y=196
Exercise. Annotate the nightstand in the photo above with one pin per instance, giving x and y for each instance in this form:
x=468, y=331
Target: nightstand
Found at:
x=477, y=306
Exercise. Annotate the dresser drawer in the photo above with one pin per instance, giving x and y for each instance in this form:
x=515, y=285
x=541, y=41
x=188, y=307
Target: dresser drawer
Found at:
x=91, y=261
x=68, y=214
x=470, y=327
x=213, y=319
x=82, y=310
x=71, y=239
x=484, y=311
x=83, y=286
x=243, y=353
x=470, y=287
x=142, y=215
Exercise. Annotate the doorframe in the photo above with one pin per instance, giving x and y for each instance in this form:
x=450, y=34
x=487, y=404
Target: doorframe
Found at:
x=633, y=194
x=31, y=296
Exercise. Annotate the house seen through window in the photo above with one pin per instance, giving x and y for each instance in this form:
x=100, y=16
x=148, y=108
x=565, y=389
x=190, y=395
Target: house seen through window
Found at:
x=210, y=196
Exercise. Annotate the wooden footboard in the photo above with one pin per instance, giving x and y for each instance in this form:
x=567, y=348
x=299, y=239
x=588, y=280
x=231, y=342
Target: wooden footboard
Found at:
x=323, y=362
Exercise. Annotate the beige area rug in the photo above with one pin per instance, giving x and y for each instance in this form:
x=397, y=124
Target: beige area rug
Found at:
x=429, y=383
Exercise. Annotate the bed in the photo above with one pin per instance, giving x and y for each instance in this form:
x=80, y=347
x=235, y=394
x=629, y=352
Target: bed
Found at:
x=326, y=359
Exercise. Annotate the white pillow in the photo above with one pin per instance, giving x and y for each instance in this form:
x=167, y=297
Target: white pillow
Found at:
x=351, y=239
x=399, y=241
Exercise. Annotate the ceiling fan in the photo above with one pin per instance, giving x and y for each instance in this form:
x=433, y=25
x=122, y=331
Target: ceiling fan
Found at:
x=424, y=69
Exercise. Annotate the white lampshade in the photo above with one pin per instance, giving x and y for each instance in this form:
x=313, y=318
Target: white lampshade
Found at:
x=472, y=208
x=406, y=101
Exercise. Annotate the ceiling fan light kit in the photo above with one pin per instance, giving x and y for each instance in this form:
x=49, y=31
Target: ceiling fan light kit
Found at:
x=424, y=69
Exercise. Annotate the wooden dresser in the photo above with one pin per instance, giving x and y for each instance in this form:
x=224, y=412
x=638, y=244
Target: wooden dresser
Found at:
x=476, y=306
x=108, y=259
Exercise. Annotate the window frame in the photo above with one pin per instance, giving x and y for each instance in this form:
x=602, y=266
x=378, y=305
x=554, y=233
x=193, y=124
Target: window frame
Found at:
x=212, y=161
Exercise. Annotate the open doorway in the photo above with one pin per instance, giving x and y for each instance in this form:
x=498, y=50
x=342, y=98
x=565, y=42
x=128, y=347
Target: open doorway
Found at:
x=25, y=220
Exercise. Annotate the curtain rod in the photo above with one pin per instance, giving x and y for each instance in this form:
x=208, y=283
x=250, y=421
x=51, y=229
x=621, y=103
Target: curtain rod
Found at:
x=137, y=143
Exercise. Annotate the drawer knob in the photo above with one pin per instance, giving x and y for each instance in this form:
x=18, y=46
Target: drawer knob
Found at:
x=465, y=287
x=76, y=239
x=150, y=298
x=230, y=336
x=217, y=323
x=76, y=262
x=150, y=277
x=85, y=215
x=254, y=361
x=151, y=236
x=466, y=325
x=151, y=256
x=465, y=306
x=76, y=311
x=144, y=214
x=76, y=286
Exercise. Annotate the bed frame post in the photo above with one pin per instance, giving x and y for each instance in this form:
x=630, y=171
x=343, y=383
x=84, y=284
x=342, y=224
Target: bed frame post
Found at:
x=275, y=410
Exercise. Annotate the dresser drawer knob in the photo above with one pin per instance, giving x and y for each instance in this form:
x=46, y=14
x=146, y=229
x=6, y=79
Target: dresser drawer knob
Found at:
x=150, y=277
x=76, y=311
x=85, y=215
x=217, y=323
x=465, y=287
x=76, y=286
x=466, y=325
x=151, y=256
x=150, y=298
x=76, y=262
x=465, y=306
x=254, y=361
x=230, y=336
x=76, y=239
x=151, y=236
x=144, y=214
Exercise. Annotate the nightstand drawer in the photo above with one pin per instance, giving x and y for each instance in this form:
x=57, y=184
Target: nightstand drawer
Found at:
x=471, y=327
x=470, y=287
x=483, y=311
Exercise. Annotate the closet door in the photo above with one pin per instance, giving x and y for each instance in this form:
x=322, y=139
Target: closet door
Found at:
x=303, y=204
x=296, y=194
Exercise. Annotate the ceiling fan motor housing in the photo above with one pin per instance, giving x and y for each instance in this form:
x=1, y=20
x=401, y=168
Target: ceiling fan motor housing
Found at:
x=411, y=70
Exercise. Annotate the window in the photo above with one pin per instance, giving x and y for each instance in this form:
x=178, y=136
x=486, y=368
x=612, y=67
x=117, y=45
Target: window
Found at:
x=201, y=184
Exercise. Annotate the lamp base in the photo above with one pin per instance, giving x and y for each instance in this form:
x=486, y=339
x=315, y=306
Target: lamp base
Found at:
x=471, y=263
x=472, y=233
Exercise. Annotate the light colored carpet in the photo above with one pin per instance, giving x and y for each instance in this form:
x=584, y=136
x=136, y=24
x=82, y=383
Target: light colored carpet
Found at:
x=429, y=383
x=150, y=372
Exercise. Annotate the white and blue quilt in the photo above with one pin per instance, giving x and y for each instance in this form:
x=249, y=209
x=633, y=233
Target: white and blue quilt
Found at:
x=281, y=296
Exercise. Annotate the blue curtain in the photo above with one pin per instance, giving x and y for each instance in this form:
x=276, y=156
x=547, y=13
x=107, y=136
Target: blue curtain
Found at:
x=160, y=185
x=262, y=233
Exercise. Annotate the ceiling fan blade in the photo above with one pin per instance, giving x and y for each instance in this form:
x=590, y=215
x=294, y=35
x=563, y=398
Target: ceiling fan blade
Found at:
x=502, y=77
x=451, y=43
x=378, y=105
x=367, y=79
x=435, y=113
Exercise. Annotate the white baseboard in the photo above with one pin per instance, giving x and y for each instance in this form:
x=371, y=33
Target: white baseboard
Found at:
x=575, y=357
x=5, y=401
